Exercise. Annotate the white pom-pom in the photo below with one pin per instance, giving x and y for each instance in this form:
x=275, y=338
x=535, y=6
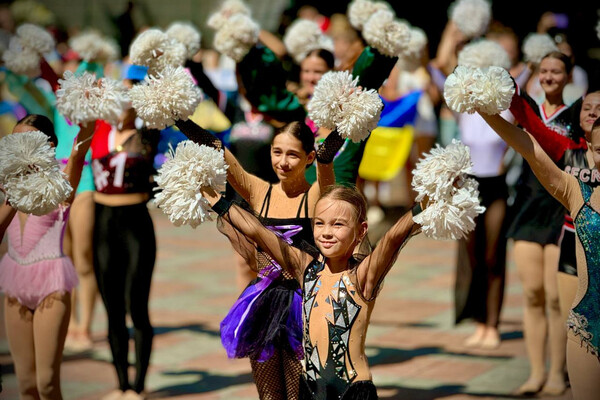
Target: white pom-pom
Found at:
x=237, y=36
x=227, y=10
x=163, y=99
x=304, y=36
x=472, y=17
x=338, y=104
x=359, y=11
x=35, y=38
x=155, y=50
x=82, y=98
x=411, y=57
x=187, y=170
x=484, y=53
x=389, y=36
x=30, y=174
x=186, y=34
x=451, y=210
x=2, y=196
x=91, y=46
x=494, y=92
x=489, y=90
x=536, y=46
x=21, y=60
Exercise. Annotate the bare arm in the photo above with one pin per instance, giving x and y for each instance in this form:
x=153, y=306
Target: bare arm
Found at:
x=272, y=42
x=77, y=157
x=375, y=267
x=549, y=175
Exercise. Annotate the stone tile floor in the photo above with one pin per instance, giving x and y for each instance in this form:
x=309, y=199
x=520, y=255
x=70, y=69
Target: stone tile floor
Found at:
x=414, y=349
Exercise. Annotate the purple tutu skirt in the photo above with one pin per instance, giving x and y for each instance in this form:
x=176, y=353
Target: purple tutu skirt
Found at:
x=267, y=316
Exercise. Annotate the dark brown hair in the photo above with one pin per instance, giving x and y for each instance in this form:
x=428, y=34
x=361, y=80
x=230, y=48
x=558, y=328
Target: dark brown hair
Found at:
x=324, y=55
x=350, y=195
x=42, y=124
x=300, y=131
x=566, y=60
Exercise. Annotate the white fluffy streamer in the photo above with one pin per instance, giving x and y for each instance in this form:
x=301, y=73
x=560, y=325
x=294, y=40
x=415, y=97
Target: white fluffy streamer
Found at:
x=82, y=98
x=156, y=50
x=186, y=34
x=484, y=53
x=359, y=11
x=338, y=103
x=91, y=46
x=451, y=210
x=227, y=10
x=472, y=17
x=388, y=35
x=35, y=38
x=489, y=90
x=411, y=57
x=237, y=36
x=536, y=46
x=163, y=99
x=21, y=60
x=187, y=170
x=304, y=36
x=30, y=174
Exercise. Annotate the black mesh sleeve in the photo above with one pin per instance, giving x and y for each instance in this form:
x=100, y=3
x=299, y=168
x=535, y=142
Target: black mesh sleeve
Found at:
x=330, y=147
x=197, y=134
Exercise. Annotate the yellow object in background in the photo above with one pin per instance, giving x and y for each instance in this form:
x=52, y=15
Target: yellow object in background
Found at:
x=210, y=117
x=386, y=152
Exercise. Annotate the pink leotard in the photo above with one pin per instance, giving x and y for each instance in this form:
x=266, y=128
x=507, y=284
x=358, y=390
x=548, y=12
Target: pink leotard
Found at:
x=35, y=265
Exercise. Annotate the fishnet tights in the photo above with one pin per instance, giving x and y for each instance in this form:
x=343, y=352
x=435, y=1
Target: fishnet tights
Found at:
x=279, y=377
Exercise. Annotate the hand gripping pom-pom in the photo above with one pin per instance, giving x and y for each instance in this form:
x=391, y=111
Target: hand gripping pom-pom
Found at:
x=488, y=90
x=338, y=104
x=359, y=11
x=156, y=50
x=236, y=37
x=536, y=46
x=30, y=174
x=186, y=34
x=227, y=10
x=187, y=170
x=472, y=17
x=163, y=99
x=484, y=53
x=389, y=36
x=304, y=36
x=451, y=210
x=21, y=60
x=35, y=38
x=82, y=98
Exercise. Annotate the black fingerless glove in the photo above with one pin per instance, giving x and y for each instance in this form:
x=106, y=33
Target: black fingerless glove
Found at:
x=198, y=135
x=330, y=147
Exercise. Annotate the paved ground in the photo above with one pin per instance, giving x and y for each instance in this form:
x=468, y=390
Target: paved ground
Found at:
x=414, y=349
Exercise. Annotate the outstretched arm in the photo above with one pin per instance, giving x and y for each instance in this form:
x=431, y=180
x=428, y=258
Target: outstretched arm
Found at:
x=325, y=156
x=549, y=175
x=237, y=176
x=289, y=257
x=375, y=267
x=49, y=75
x=77, y=157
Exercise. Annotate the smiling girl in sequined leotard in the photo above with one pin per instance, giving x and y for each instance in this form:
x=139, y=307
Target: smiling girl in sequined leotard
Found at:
x=583, y=202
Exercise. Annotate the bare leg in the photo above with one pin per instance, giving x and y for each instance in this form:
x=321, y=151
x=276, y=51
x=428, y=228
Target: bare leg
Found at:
x=81, y=225
x=529, y=259
x=50, y=324
x=557, y=334
x=567, y=288
x=495, y=260
x=584, y=371
x=19, y=331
